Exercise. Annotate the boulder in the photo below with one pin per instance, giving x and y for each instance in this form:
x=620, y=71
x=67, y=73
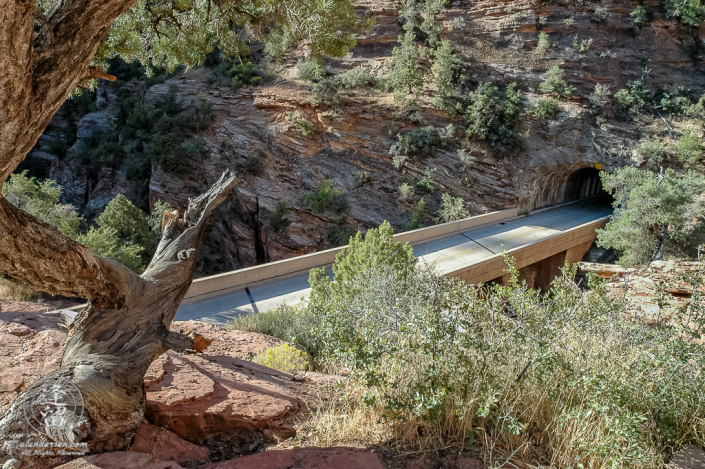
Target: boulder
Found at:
x=119, y=460
x=228, y=342
x=167, y=446
x=309, y=458
x=202, y=398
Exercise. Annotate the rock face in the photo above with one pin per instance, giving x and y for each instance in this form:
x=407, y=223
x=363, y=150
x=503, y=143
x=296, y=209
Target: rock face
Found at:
x=495, y=40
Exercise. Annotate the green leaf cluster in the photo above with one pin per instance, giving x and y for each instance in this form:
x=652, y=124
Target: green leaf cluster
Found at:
x=41, y=199
x=655, y=215
x=493, y=119
x=555, y=84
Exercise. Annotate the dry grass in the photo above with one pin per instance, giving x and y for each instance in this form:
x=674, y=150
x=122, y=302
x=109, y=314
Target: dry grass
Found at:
x=11, y=290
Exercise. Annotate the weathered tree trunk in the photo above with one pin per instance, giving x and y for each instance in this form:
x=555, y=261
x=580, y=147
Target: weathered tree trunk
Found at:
x=125, y=327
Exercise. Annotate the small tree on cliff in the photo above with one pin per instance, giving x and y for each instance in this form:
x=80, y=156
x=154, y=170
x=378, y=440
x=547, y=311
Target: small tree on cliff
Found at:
x=48, y=48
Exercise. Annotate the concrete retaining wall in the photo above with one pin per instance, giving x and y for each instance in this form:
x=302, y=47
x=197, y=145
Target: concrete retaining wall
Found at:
x=222, y=283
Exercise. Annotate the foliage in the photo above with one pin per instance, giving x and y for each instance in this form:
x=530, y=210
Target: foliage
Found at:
x=276, y=220
x=406, y=192
x=439, y=359
x=254, y=164
x=426, y=181
x=638, y=15
x=418, y=216
x=600, y=14
x=415, y=143
x=689, y=148
x=652, y=151
x=569, y=22
x=490, y=119
x=443, y=72
x=41, y=199
x=309, y=69
x=600, y=94
x=106, y=242
x=466, y=157
x=405, y=76
x=325, y=198
x=452, y=208
x=294, y=325
x=655, y=214
x=236, y=74
x=555, y=83
x=543, y=42
x=364, y=253
x=362, y=178
x=688, y=12
x=174, y=33
x=697, y=110
x=545, y=108
x=327, y=91
x=300, y=124
x=284, y=358
x=635, y=97
x=339, y=234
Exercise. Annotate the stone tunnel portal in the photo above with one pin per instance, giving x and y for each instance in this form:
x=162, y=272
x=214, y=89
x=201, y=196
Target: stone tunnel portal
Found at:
x=585, y=183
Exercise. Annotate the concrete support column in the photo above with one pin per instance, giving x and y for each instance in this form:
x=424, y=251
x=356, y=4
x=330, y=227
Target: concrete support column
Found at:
x=576, y=253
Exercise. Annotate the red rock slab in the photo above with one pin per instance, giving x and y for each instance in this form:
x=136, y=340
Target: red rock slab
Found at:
x=228, y=342
x=167, y=446
x=200, y=396
x=119, y=460
x=305, y=458
x=43, y=351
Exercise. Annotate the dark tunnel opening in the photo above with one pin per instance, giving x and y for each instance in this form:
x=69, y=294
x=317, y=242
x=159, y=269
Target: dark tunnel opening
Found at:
x=586, y=183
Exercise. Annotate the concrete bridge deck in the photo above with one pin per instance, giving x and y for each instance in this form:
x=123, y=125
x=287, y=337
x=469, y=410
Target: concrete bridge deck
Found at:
x=469, y=249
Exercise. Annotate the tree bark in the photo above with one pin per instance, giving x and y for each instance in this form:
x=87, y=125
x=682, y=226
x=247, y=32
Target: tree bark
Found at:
x=113, y=341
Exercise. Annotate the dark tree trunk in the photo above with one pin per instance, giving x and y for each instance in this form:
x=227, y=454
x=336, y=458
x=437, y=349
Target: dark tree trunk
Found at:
x=113, y=341
x=124, y=329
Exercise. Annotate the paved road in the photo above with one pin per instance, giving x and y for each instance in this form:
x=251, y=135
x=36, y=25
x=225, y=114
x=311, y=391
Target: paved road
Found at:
x=446, y=254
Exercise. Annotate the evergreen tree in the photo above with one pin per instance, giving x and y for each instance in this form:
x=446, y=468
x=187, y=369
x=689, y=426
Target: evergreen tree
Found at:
x=655, y=214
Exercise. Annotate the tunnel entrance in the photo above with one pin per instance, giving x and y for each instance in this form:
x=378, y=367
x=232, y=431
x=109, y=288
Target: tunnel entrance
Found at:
x=585, y=183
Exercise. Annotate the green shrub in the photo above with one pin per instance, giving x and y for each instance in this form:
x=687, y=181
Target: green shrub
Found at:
x=362, y=178
x=41, y=199
x=543, y=42
x=300, y=124
x=106, y=242
x=457, y=362
x=635, y=97
x=688, y=12
x=309, y=69
x=555, y=84
x=466, y=157
x=652, y=151
x=406, y=192
x=600, y=14
x=426, y=181
x=405, y=76
x=689, y=148
x=638, y=15
x=254, y=164
x=276, y=220
x=327, y=90
x=545, y=108
x=325, y=198
x=490, y=119
x=291, y=324
x=443, y=71
x=339, y=234
x=452, y=209
x=245, y=74
x=418, y=216
x=414, y=143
